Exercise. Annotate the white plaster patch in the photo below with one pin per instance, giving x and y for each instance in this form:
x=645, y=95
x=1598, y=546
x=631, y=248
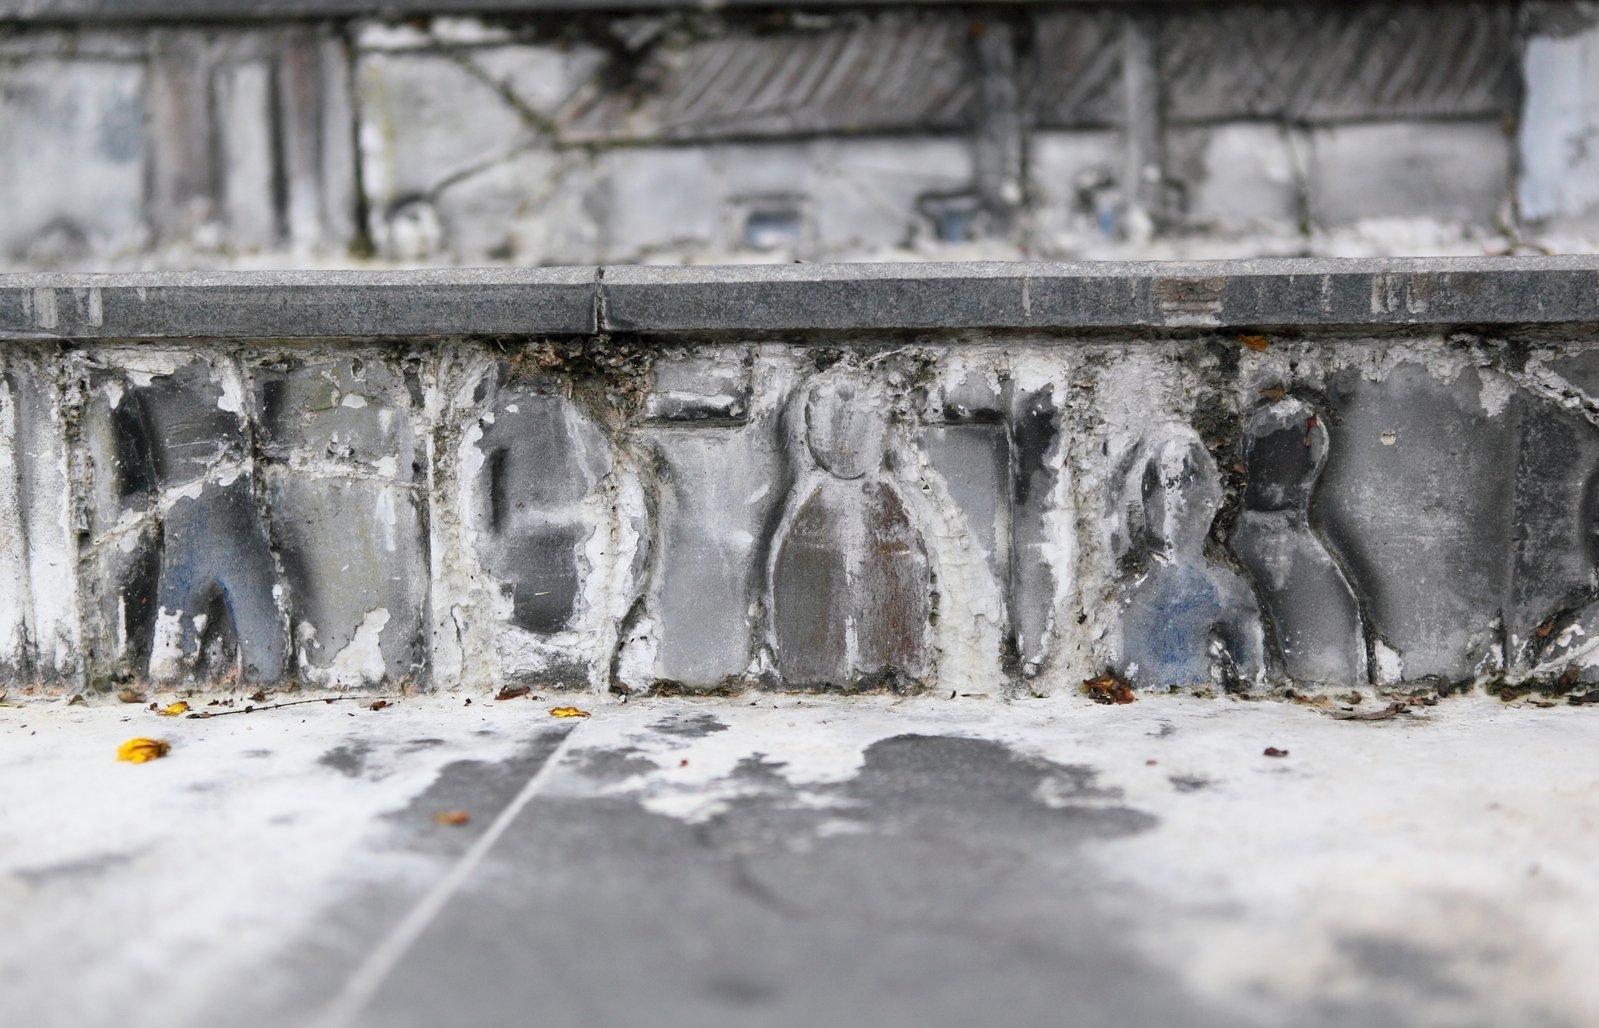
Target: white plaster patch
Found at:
x=232, y=398
x=361, y=661
x=166, y=648
x=1390, y=664
x=1495, y=393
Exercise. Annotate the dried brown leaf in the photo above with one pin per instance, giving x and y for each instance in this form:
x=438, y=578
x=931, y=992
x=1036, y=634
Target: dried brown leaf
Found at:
x=1392, y=710
x=453, y=818
x=509, y=693
x=1108, y=688
x=1254, y=342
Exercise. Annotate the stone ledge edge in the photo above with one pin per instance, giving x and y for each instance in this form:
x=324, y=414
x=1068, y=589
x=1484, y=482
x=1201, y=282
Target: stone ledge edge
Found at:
x=955, y=296
x=326, y=10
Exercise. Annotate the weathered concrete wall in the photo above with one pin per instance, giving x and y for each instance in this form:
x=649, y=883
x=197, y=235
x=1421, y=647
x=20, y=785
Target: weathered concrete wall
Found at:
x=1245, y=476
x=184, y=134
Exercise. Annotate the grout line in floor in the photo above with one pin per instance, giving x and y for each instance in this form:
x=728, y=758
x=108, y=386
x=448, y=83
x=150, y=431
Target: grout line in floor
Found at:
x=366, y=979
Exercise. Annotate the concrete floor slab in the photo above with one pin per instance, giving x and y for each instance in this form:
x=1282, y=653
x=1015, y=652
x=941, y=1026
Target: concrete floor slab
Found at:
x=781, y=860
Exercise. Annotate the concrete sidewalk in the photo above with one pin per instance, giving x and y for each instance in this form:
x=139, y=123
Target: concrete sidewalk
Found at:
x=788, y=860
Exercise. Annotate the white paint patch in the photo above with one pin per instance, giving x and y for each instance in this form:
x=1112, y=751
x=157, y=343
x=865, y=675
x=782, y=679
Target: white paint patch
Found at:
x=388, y=521
x=166, y=650
x=1390, y=665
x=361, y=661
x=353, y=400
x=472, y=456
x=232, y=398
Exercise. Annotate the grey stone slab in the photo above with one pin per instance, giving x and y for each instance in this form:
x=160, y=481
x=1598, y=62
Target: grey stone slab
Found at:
x=197, y=592
x=341, y=469
x=1238, y=175
x=850, y=589
x=1559, y=173
x=413, y=106
x=974, y=461
x=541, y=457
x=1186, y=619
x=1553, y=553
x=1035, y=434
x=1307, y=291
x=1318, y=62
x=224, y=10
x=265, y=305
x=1313, y=615
x=219, y=588
x=722, y=487
x=1074, y=78
x=700, y=386
x=1457, y=170
x=891, y=72
x=723, y=477
x=1417, y=502
x=72, y=155
x=40, y=620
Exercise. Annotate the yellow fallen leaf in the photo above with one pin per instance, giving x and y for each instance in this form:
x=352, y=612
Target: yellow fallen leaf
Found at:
x=567, y=712
x=174, y=709
x=137, y=751
x=452, y=817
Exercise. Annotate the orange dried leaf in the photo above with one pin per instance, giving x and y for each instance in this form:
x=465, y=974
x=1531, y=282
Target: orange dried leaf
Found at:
x=452, y=817
x=174, y=709
x=567, y=712
x=1256, y=343
x=137, y=751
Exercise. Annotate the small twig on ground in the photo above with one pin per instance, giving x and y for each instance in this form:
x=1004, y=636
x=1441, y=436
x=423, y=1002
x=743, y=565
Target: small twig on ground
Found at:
x=291, y=703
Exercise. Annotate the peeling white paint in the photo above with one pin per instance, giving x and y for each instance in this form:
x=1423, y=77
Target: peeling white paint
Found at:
x=361, y=661
x=167, y=658
x=1389, y=665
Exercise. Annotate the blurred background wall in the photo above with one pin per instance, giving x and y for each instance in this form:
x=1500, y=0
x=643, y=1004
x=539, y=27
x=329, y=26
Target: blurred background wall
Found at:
x=207, y=133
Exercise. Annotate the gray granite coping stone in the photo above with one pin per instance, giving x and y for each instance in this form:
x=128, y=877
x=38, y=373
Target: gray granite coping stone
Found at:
x=254, y=10
x=955, y=296
x=301, y=304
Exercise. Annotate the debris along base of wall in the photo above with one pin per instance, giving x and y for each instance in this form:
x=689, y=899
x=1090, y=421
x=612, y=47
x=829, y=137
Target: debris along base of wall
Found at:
x=1410, y=509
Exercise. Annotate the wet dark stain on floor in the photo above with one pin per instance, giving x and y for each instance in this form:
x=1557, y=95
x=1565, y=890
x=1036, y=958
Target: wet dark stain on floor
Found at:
x=689, y=726
x=349, y=759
